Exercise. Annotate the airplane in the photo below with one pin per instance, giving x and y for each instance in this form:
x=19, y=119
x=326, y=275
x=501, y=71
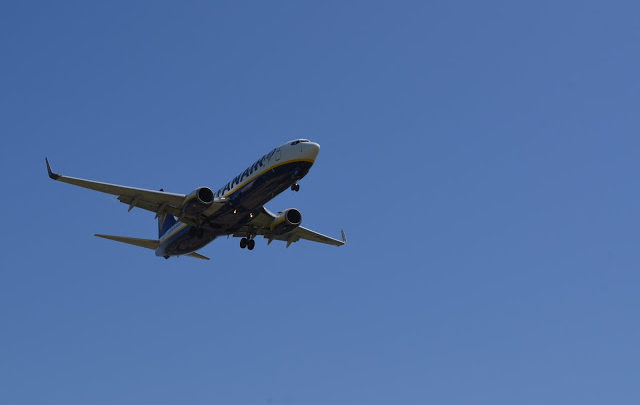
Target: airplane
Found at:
x=188, y=222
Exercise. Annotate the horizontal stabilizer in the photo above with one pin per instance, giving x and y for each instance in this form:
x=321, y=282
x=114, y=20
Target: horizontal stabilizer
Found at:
x=145, y=243
x=197, y=256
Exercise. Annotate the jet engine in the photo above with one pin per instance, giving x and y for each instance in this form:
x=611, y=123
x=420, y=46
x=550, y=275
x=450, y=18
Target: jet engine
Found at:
x=286, y=221
x=198, y=201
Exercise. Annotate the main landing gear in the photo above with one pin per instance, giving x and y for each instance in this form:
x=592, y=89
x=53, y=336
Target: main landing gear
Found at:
x=247, y=243
x=295, y=187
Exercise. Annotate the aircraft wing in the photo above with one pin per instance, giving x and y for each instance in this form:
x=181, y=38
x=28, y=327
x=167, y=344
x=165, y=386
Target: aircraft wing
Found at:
x=151, y=200
x=261, y=225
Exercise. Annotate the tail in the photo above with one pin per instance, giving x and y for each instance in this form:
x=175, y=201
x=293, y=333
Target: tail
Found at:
x=165, y=221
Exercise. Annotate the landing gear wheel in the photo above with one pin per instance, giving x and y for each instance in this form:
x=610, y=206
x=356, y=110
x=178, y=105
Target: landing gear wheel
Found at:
x=295, y=187
x=251, y=244
x=243, y=243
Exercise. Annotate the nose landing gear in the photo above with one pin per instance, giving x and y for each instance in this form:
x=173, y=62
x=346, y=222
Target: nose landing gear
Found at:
x=295, y=187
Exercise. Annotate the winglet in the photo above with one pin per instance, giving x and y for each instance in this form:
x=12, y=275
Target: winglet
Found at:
x=51, y=173
x=344, y=238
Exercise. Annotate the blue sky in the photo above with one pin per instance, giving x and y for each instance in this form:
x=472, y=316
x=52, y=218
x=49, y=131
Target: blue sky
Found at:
x=482, y=158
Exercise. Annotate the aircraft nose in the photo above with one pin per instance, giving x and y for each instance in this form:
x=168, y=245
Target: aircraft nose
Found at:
x=310, y=150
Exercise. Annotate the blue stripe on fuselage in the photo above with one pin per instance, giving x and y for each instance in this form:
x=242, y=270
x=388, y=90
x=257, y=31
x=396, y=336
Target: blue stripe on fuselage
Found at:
x=260, y=163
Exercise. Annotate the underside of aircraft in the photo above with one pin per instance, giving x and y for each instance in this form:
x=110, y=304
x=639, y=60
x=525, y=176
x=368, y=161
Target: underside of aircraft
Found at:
x=188, y=222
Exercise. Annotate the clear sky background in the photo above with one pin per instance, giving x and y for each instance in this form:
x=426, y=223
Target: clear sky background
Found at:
x=483, y=158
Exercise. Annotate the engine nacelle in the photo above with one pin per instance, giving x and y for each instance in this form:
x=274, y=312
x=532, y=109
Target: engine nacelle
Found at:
x=198, y=201
x=286, y=221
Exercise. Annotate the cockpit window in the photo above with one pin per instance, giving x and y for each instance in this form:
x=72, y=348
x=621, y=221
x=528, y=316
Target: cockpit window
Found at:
x=297, y=141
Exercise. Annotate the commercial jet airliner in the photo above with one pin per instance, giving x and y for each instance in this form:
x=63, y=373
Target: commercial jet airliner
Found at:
x=187, y=223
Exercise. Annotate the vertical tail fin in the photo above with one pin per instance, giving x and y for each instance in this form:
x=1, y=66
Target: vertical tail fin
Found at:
x=165, y=221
